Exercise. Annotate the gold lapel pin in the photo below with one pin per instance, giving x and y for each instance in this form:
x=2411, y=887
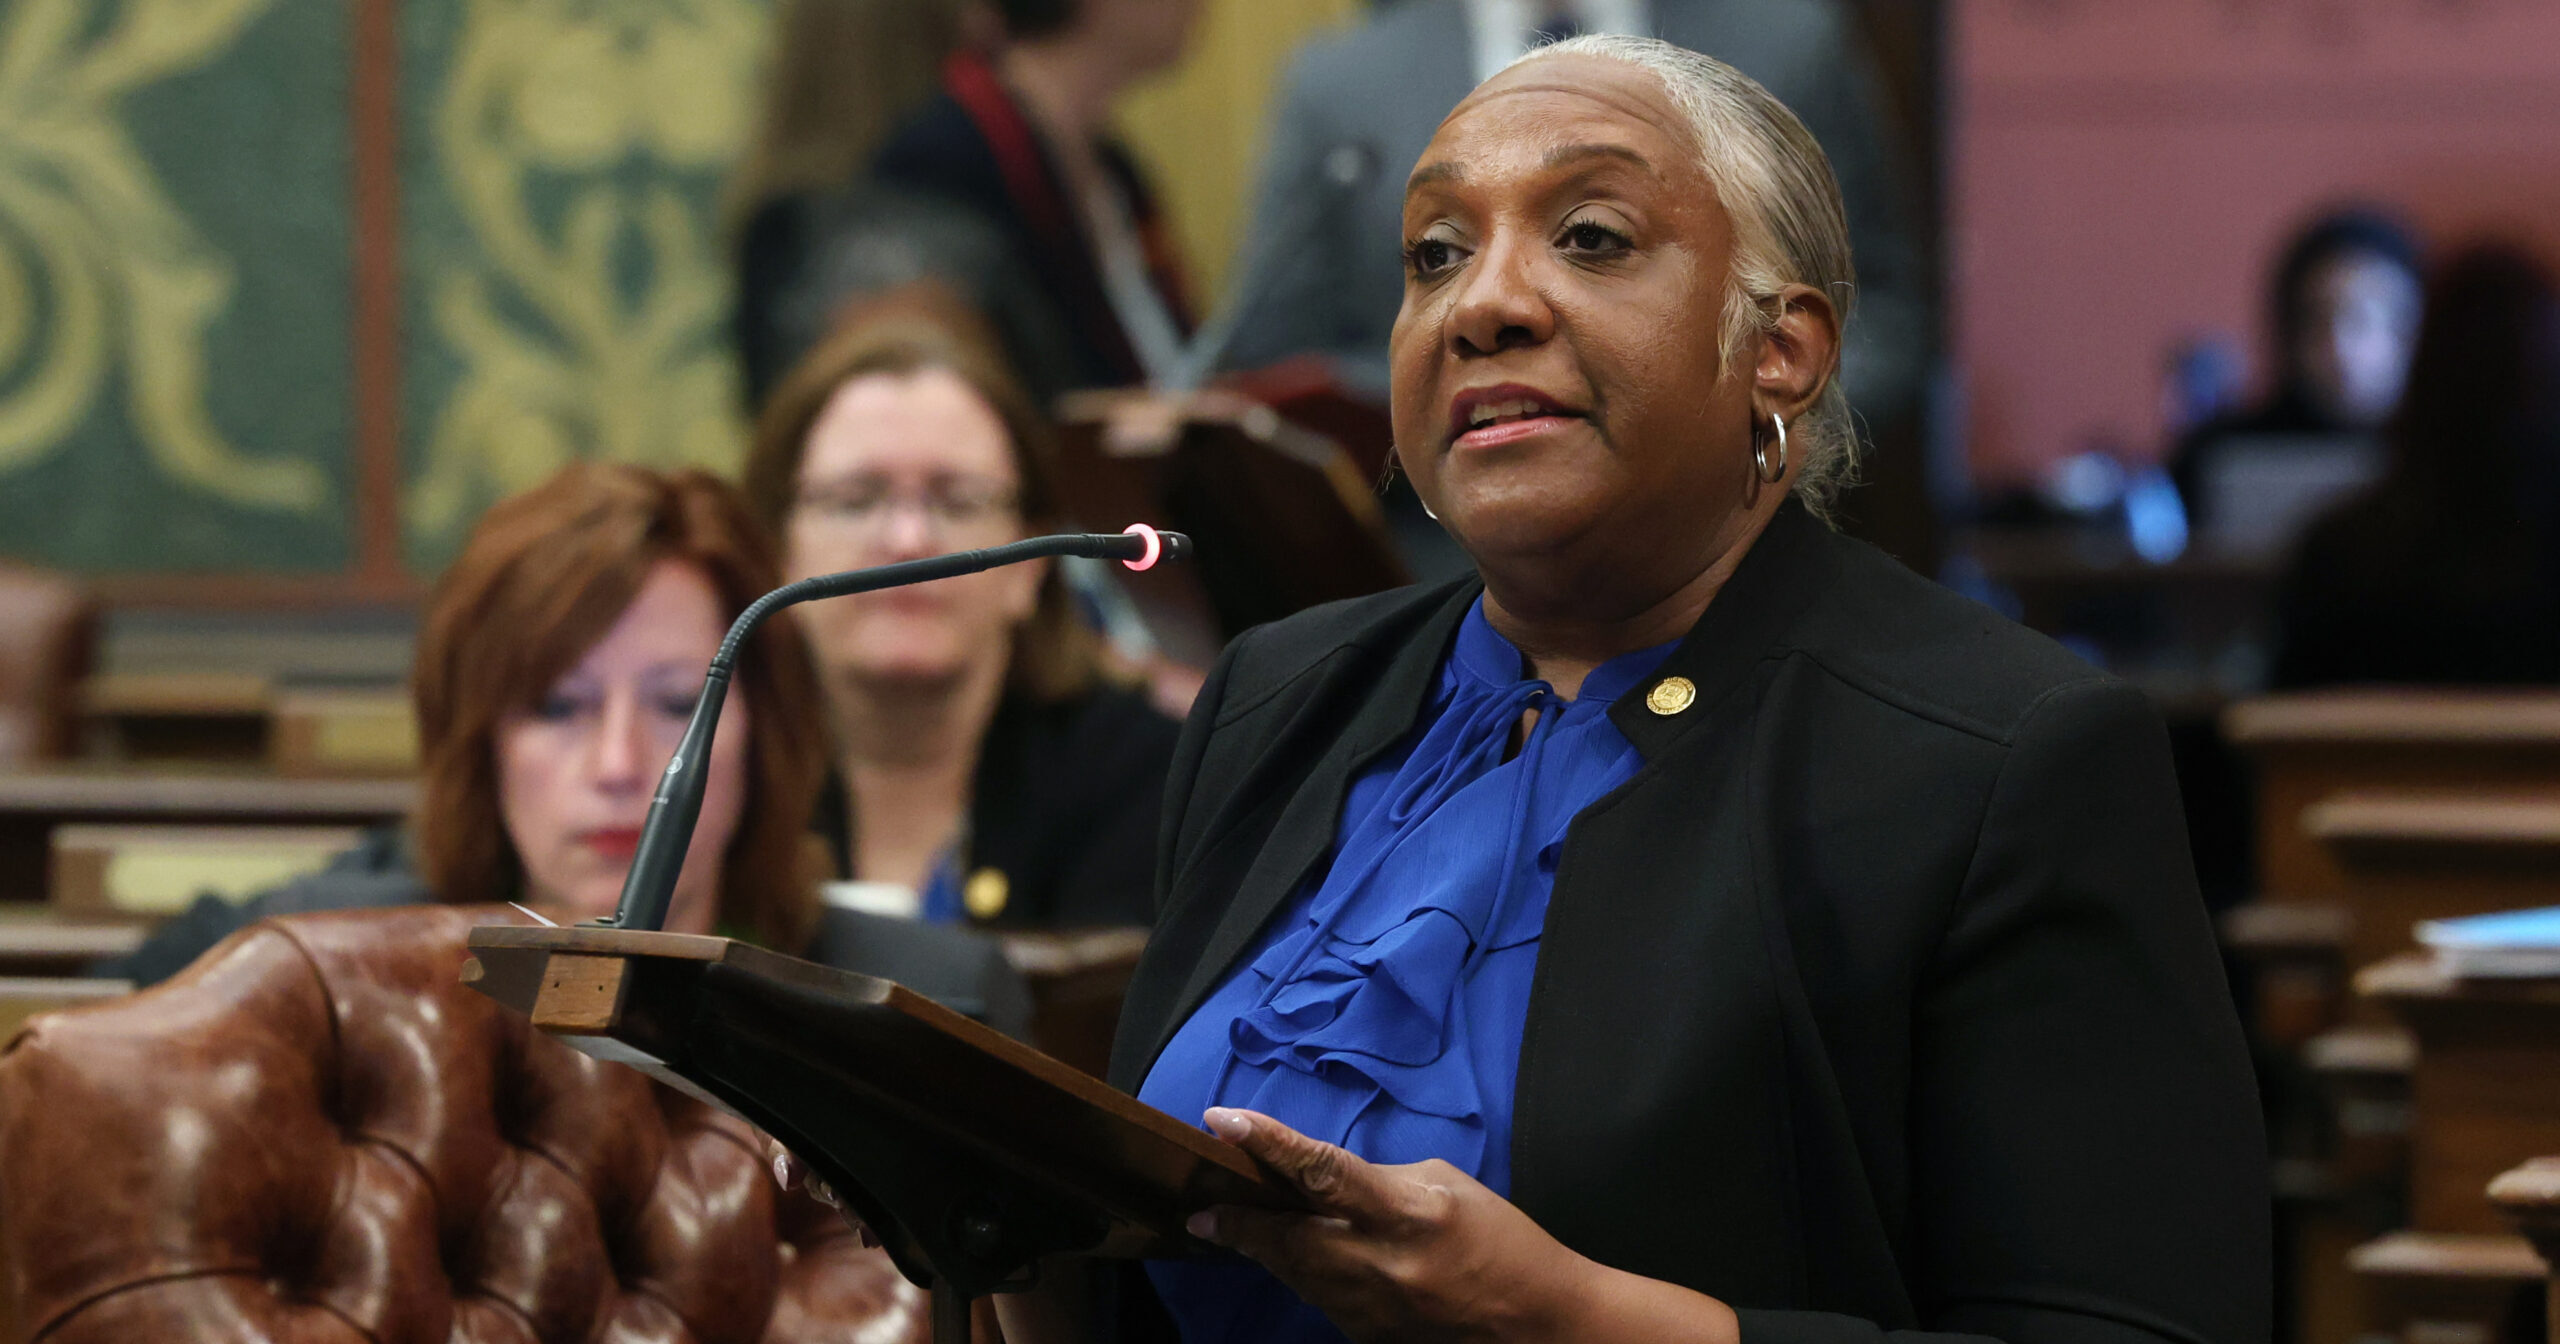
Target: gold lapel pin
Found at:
x=1671, y=695
x=985, y=893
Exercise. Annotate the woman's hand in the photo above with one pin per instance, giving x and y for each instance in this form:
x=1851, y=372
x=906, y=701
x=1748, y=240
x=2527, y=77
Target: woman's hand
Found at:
x=1408, y=1253
x=1426, y=1252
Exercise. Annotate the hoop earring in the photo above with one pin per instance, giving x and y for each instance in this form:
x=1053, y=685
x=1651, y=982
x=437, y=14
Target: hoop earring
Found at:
x=1760, y=452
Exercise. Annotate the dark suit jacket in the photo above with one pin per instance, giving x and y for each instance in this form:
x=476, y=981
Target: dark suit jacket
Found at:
x=1064, y=803
x=1881, y=1000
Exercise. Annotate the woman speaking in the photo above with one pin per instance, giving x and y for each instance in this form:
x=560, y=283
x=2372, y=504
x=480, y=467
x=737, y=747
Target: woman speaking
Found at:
x=1701, y=928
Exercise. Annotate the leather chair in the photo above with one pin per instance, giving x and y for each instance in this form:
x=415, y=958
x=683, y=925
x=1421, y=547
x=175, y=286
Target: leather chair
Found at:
x=48, y=635
x=317, y=1133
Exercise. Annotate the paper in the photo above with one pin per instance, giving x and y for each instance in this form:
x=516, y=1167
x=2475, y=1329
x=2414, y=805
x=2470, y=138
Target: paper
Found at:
x=2509, y=944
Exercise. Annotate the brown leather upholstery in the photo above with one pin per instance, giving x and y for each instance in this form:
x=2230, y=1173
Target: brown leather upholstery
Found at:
x=48, y=633
x=317, y=1134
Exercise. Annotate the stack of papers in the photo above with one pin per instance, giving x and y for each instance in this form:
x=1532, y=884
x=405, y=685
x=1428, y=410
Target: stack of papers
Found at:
x=2515, y=944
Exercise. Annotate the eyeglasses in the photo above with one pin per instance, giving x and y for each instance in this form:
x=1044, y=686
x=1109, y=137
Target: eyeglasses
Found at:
x=950, y=504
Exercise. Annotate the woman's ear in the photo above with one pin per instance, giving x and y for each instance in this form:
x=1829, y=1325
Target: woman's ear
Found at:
x=1796, y=357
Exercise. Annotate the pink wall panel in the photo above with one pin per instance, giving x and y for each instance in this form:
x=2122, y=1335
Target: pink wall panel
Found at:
x=2122, y=171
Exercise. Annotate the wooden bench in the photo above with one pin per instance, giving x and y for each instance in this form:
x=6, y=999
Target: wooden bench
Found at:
x=23, y=997
x=206, y=717
x=2364, y=798
x=2311, y=747
x=246, y=721
x=342, y=731
x=2363, y=795
x=40, y=942
x=152, y=871
x=2529, y=1196
x=2485, y=1097
x=2404, y=859
x=32, y=805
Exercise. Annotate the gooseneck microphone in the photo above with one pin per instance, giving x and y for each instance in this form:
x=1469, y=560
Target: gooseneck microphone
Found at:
x=651, y=884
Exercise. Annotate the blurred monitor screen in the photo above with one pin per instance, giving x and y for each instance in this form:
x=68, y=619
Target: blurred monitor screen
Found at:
x=2261, y=490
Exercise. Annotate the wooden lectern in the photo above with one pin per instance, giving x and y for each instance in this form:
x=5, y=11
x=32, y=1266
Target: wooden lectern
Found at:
x=971, y=1156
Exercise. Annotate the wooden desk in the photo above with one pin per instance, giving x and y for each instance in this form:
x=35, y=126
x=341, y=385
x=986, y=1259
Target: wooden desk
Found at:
x=2403, y=859
x=31, y=805
x=2486, y=1098
x=152, y=871
x=177, y=716
x=37, y=941
x=2486, y=1087
x=343, y=731
x=2443, y=1287
x=2530, y=1198
x=2428, y=748
x=2311, y=747
x=23, y=997
x=246, y=721
x=2325, y=758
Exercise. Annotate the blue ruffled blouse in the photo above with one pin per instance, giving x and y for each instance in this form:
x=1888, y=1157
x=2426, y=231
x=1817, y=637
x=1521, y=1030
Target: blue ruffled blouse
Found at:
x=1382, y=1008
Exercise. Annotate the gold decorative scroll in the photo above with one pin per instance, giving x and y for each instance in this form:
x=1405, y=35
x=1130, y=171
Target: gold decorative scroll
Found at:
x=100, y=273
x=580, y=141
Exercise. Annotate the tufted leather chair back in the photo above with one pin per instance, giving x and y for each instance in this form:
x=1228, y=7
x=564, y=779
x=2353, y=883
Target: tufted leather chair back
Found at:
x=317, y=1134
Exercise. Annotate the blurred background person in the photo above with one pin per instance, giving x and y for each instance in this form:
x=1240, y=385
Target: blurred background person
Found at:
x=558, y=663
x=2342, y=313
x=2447, y=570
x=1324, y=271
x=1005, y=183
x=844, y=75
x=988, y=768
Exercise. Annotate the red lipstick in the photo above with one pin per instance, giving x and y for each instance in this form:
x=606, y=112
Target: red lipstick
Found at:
x=617, y=843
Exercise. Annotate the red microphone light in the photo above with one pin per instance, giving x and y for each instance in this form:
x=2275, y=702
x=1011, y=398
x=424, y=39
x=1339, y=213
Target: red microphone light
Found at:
x=1155, y=546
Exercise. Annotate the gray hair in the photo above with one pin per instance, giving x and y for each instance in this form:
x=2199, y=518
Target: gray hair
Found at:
x=1788, y=225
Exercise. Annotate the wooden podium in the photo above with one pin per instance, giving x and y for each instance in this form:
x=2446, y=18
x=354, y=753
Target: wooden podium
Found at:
x=971, y=1156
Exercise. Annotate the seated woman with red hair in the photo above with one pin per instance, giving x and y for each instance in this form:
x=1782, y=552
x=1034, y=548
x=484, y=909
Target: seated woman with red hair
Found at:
x=557, y=666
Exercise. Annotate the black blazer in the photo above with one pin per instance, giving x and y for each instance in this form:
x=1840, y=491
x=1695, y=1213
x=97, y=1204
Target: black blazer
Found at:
x=1064, y=803
x=1881, y=1000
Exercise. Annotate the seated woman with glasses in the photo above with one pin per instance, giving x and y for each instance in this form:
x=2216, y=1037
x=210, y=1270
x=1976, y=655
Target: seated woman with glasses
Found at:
x=557, y=666
x=987, y=769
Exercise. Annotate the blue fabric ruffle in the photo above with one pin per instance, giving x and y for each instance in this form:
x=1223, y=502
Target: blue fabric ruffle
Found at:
x=1383, y=1011
x=1383, y=1007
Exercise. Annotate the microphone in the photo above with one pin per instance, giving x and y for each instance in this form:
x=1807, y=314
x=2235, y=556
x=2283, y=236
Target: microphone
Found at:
x=1343, y=169
x=651, y=884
